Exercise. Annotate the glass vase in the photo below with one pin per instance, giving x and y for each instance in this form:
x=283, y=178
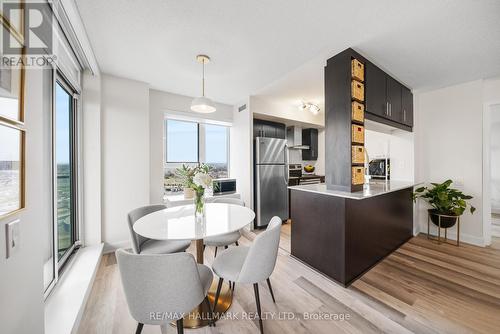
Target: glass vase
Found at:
x=199, y=203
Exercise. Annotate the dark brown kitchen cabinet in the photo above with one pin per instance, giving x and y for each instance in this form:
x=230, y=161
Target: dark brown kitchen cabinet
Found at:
x=394, y=100
x=376, y=92
x=387, y=101
x=310, y=138
x=262, y=128
x=407, y=106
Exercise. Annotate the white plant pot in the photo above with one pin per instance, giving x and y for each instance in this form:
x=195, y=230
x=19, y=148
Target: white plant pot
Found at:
x=189, y=193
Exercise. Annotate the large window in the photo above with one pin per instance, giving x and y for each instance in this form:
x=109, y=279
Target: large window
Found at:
x=192, y=143
x=65, y=148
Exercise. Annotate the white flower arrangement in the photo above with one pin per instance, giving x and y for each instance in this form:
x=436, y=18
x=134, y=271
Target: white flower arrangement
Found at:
x=202, y=180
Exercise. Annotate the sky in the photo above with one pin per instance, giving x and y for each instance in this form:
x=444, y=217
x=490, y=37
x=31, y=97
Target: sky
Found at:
x=62, y=125
x=182, y=141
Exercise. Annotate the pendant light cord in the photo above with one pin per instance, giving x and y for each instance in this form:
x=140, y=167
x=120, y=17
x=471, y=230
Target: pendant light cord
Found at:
x=203, y=78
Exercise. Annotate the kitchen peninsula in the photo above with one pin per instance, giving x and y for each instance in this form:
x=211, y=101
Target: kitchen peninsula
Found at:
x=346, y=226
x=344, y=234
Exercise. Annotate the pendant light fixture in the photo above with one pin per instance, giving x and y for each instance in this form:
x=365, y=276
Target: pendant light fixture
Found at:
x=203, y=104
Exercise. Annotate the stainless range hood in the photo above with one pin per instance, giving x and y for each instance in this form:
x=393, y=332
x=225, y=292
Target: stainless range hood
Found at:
x=294, y=138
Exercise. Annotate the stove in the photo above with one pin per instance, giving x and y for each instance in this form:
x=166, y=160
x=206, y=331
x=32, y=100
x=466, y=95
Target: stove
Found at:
x=296, y=177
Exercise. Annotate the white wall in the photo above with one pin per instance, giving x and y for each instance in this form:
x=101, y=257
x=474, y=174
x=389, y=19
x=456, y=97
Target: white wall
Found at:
x=125, y=155
x=448, y=145
x=159, y=103
x=91, y=158
x=21, y=279
x=398, y=146
x=265, y=107
x=495, y=158
x=241, y=153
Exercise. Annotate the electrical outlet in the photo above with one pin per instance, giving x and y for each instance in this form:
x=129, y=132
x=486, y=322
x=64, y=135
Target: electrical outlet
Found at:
x=12, y=237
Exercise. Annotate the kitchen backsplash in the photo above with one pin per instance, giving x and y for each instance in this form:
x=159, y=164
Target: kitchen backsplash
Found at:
x=295, y=157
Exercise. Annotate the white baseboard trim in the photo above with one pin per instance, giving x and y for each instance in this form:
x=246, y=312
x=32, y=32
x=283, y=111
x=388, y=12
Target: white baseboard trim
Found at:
x=466, y=238
x=495, y=230
x=65, y=305
x=110, y=247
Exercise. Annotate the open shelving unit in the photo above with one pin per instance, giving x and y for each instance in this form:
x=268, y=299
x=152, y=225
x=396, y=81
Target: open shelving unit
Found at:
x=345, y=121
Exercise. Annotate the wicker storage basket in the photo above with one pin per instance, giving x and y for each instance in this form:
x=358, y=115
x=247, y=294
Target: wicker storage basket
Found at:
x=357, y=70
x=358, y=90
x=358, y=112
x=358, y=154
x=358, y=175
x=358, y=134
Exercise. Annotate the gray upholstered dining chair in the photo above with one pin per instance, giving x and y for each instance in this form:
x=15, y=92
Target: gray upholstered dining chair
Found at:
x=224, y=240
x=160, y=288
x=143, y=245
x=252, y=264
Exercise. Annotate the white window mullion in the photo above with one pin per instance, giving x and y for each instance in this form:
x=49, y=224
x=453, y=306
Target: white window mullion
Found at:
x=202, y=158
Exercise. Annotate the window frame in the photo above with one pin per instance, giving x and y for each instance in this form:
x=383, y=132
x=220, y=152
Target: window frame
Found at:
x=166, y=142
x=201, y=148
x=59, y=78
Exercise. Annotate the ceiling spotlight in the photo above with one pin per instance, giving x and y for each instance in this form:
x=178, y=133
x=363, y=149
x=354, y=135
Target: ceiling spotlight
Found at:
x=311, y=107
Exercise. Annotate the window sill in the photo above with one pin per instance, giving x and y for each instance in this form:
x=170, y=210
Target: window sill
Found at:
x=65, y=305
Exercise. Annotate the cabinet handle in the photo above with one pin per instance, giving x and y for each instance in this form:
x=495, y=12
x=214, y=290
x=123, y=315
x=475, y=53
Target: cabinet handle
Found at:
x=390, y=109
x=404, y=115
x=387, y=108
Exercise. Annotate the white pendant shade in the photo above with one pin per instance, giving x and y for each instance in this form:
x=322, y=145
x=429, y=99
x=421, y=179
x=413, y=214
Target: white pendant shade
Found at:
x=203, y=105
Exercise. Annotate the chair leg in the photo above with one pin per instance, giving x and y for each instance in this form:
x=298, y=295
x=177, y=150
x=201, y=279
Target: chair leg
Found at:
x=180, y=326
x=215, y=255
x=232, y=289
x=139, y=328
x=271, y=289
x=236, y=243
x=210, y=314
x=257, y=301
x=217, y=294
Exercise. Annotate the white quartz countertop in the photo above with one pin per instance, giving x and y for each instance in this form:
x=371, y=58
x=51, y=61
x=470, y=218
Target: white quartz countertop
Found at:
x=369, y=190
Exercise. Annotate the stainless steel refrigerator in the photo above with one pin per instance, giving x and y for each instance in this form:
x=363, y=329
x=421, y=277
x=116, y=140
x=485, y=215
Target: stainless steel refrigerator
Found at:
x=271, y=180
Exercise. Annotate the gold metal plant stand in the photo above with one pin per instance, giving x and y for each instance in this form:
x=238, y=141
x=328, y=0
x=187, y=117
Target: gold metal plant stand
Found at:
x=445, y=229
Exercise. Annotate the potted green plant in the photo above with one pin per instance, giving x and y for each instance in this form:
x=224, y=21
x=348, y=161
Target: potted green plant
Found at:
x=446, y=202
x=195, y=181
x=185, y=175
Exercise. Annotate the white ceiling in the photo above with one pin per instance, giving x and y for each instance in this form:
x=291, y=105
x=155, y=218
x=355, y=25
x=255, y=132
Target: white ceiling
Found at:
x=278, y=48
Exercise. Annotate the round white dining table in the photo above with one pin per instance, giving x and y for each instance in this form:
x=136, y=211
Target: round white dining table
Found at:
x=180, y=223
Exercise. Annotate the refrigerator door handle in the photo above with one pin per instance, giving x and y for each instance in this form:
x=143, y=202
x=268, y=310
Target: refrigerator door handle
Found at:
x=287, y=168
x=257, y=186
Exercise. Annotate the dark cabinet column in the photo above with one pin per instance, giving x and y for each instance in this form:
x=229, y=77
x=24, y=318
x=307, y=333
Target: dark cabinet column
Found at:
x=376, y=102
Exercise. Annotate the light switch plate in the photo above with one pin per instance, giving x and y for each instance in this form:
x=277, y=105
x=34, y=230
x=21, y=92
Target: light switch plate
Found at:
x=12, y=237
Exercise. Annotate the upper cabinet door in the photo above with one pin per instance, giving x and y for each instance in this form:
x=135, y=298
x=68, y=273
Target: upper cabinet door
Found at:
x=257, y=129
x=310, y=138
x=394, y=99
x=281, y=131
x=269, y=130
x=407, y=106
x=375, y=92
